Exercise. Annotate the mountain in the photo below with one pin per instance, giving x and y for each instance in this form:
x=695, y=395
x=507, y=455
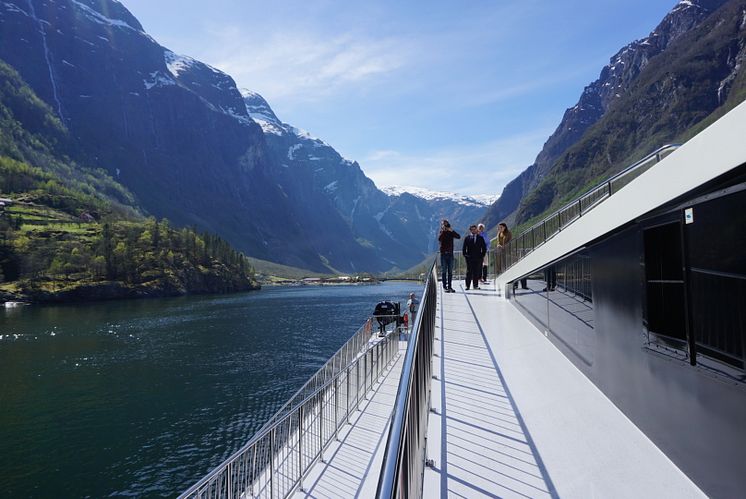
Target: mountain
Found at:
x=652, y=92
x=390, y=228
x=337, y=202
x=432, y=207
x=428, y=195
x=69, y=232
x=174, y=131
x=189, y=147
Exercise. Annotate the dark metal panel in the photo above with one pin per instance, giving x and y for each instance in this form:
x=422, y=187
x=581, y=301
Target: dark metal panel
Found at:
x=694, y=416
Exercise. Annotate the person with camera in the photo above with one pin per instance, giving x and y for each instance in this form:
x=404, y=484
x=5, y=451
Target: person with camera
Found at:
x=446, y=237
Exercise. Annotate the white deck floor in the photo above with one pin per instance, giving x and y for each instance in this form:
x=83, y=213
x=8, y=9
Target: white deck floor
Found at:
x=514, y=418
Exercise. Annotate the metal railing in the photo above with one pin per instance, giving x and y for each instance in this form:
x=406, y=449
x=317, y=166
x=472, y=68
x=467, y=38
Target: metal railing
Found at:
x=276, y=459
x=404, y=458
x=340, y=360
x=520, y=246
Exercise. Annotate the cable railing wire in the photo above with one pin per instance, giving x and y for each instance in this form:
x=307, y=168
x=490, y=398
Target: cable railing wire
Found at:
x=276, y=459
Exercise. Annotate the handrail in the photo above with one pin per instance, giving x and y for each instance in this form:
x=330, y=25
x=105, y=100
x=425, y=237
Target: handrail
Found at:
x=530, y=239
x=275, y=460
x=404, y=457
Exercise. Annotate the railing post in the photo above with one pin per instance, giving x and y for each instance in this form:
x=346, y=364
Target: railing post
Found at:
x=321, y=426
x=378, y=361
x=357, y=384
x=300, y=448
x=271, y=463
x=336, y=408
x=253, y=470
x=348, y=395
x=228, y=481
x=365, y=376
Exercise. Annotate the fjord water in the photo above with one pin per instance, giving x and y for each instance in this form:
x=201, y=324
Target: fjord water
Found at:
x=143, y=397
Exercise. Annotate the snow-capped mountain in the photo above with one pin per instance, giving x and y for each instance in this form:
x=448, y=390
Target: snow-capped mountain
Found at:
x=172, y=129
x=394, y=227
x=179, y=134
x=478, y=200
x=432, y=206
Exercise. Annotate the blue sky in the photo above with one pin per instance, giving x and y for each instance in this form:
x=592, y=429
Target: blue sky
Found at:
x=447, y=95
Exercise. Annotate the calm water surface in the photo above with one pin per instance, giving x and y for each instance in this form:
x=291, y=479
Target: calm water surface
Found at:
x=141, y=398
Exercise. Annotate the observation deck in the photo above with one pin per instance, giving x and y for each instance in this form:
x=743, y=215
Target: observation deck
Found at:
x=616, y=369
x=511, y=417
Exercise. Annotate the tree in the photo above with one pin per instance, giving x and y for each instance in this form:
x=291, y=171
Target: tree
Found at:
x=156, y=234
x=107, y=250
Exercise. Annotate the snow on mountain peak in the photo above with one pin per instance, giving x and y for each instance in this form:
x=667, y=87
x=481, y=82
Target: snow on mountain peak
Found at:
x=248, y=94
x=100, y=18
x=428, y=195
x=177, y=63
x=259, y=110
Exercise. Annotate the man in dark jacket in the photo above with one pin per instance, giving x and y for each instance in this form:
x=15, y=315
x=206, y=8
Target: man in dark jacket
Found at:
x=446, y=237
x=474, y=250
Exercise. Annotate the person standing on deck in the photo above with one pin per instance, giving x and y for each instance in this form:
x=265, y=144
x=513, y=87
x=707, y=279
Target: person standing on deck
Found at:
x=473, y=250
x=503, y=237
x=412, y=307
x=446, y=237
x=486, y=261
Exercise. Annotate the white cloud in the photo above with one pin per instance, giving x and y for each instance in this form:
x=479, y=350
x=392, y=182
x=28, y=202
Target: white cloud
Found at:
x=304, y=66
x=480, y=169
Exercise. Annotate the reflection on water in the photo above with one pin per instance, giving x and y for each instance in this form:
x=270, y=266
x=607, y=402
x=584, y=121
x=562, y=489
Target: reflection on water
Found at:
x=143, y=397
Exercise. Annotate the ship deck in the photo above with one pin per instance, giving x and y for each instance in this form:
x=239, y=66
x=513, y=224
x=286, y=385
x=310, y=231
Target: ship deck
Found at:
x=511, y=417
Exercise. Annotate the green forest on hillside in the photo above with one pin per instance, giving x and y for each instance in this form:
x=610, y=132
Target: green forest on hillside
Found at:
x=676, y=96
x=58, y=243
x=73, y=233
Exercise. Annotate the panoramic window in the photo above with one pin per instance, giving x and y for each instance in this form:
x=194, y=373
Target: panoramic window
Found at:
x=717, y=279
x=664, y=285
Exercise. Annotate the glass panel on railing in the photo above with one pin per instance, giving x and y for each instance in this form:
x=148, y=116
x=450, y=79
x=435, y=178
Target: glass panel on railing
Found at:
x=621, y=181
x=537, y=235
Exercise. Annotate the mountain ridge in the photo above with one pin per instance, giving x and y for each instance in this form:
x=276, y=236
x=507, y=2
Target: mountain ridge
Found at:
x=597, y=98
x=180, y=136
x=72, y=233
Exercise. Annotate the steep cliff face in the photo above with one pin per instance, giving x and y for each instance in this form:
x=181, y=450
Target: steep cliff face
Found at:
x=174, y=135
x=179, y=135
x=173, y=130
x=337, y=202
x=388, y=228
x=615, y=82
x=696, y=79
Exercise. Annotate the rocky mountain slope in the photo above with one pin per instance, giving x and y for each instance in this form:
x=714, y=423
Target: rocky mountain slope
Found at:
x=431, y=207
x=182, y=142
x=69, y=232
x=397, y=221
x=652, y=92
x=177, y=133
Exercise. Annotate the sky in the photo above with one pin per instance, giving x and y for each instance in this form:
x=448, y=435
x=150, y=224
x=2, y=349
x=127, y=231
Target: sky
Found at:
x=454, y=96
